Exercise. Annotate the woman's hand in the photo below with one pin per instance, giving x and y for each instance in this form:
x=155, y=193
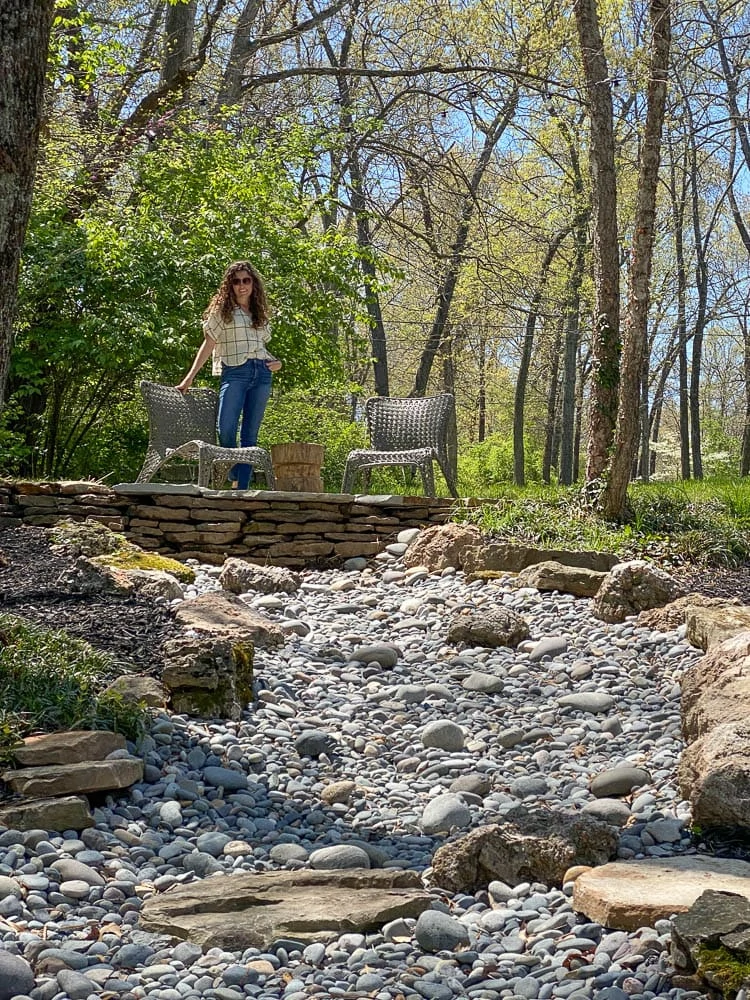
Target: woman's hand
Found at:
x=273, y=365
x=184, y=385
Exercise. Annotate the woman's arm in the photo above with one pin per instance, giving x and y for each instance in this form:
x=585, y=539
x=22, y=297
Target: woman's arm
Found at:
x=202, y=356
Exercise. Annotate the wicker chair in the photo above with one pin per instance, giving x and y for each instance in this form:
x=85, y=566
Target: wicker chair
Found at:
x=410, y=432
x=184, y=426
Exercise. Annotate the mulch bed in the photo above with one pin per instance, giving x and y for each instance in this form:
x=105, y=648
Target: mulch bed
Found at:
x=130, y=629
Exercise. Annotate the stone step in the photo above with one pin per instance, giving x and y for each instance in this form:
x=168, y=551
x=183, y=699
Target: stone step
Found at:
x=72, y=779
x=71, y=812
x=68, y=747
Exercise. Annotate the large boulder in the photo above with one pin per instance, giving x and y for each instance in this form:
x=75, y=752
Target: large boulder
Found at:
x=716, y=689
x=537, y=846
x=671, y=616
x=442, y=545
x=239, y=576
x=632, y=587
x=488, y=627
x=707, y=626
x=626, y=895
x=553, y=575
x=714, y=774
x=225, y=616
x=208, y=677
x=242, y=911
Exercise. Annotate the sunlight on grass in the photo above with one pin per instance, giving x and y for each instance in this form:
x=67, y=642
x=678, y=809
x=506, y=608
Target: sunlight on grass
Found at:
x=705, y=522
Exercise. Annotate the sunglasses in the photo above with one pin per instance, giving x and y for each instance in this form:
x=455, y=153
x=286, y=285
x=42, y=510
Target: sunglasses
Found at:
x=242, y=281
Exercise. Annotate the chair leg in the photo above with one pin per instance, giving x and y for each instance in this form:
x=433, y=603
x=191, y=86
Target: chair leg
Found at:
x=428, y=478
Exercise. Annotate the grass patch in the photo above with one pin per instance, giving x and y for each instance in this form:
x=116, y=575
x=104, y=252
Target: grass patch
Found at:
x=51, y=681
x=705, y=523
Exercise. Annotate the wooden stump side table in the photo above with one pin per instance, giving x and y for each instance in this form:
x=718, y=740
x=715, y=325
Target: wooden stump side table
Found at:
x=297, y=466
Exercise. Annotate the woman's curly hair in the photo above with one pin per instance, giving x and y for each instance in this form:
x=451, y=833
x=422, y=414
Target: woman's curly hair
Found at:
x=224, y=301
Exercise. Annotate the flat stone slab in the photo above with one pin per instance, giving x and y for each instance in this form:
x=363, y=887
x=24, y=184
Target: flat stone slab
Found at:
x=69, y=747
x=72, y=779
x=626, y=895
x=236, y=912
x=71, y=812
x=225, y=616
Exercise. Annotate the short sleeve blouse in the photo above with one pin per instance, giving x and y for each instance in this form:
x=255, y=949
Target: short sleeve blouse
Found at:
x=236, y=340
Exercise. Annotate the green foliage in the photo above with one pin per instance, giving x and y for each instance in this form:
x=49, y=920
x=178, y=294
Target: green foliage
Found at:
x=114, y=292
x=485, y=466
x=725, y=970
x=706, y=523
x=50, y=681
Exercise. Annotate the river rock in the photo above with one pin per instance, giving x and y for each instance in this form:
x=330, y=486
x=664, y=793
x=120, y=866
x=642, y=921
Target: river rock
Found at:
x=437, y=931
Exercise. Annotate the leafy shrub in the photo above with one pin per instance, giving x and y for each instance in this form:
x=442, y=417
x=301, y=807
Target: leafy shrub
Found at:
x=485, y=466
x=51, y=681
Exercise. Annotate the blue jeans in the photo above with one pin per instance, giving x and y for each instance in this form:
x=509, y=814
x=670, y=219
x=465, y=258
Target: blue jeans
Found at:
x=244, y=393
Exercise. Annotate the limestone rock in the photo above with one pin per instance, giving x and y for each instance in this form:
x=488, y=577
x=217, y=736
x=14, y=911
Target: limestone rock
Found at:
x=72, y=779
x=442, y=545
x=71, y=812
x=208, y=677
x=68, y=747
x=240, y=576
x=140, y=688
x=510, y=557
x=225, y=616
x=714, y=774
x=632, y=587
x=707, y=627
x=626, y=895
x=552, y=575
x=488, y=627
x=537, y=846
x=236, y=912
x=150, y=583
x=675, y=614
x=716, y=689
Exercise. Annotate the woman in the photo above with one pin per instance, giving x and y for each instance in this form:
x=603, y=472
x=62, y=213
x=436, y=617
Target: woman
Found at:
x=235, y=332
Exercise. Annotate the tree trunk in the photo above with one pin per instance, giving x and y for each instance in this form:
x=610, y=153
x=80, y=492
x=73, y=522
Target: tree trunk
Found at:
x=745, y=455
x=566, y=475
x=634, y=352
x=551, y=434
x=606, y=326
x=519, y=401
x=25, y=27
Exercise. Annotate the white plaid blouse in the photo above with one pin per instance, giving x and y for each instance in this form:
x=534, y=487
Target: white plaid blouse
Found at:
x=237, y=340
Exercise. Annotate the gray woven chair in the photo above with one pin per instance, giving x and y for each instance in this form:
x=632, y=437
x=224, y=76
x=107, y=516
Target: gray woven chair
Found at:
x=184, y=426
x=409, y=432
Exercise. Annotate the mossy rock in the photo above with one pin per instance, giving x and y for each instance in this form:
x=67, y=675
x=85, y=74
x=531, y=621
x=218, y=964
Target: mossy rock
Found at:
x=87, y=538
x=135, y=558
x=724, y=970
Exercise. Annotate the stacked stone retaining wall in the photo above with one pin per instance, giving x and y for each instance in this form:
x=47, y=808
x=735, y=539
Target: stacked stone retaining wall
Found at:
x=282, y=529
